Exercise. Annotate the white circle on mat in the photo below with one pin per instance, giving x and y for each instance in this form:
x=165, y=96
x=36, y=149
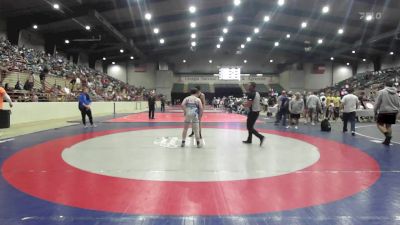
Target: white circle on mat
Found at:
x=133, y=155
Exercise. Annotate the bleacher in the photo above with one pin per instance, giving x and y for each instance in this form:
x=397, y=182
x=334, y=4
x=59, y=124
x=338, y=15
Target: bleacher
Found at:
x=276, y=87
x=228, y=90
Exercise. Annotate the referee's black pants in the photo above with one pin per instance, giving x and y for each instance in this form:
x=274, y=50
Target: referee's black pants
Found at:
x=84, y=112
x=251, y=120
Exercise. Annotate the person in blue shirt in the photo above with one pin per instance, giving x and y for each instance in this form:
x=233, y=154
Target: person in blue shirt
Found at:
x=84, y=107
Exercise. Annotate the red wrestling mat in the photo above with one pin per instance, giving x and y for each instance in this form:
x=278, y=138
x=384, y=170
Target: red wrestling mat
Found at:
x=178, y=117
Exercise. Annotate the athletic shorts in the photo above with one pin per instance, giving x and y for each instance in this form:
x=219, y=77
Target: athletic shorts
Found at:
x=295, y=116
x=387, y=118
x=192, y=118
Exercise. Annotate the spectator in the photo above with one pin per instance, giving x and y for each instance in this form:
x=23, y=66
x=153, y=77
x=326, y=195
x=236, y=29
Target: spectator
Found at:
x=350, y=104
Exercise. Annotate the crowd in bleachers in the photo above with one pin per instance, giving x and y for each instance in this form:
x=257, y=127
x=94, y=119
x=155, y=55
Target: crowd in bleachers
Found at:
x=41, y=65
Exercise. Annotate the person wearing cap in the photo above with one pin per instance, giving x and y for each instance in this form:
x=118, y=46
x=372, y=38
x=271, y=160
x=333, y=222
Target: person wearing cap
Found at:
x=386, y=108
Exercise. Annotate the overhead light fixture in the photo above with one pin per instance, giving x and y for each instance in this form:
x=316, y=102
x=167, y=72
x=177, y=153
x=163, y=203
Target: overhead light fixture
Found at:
x=193, y=24
x=87, y=27
x=221, y=39
x=156, y=30
x=245, y=61
x=132, y=57
x=320, y=41
x=121, y=50
x=368, y=18
x=340, y=31
x=242, y=46
x=104, y=58
x=184, y=61
x=348, y=64
x=391, y=53
x=225, y=30
x=325, y=9
x=354, y=52
x=193, y=36
x=364, y=60
x=303, y=25
x=236, y=2
x=192, y=9
x=281, y=2
x=271, y=60
x=162, y=41
x=248, y=39
x=218, y=46
x=35, y=26
x=332, y=58
x=287, y=36
x=147, y=16
x=56, y=6
x=66, y=41
x=276, y=44
x=193, y=43
x=210, y=61
x=113, y=63
x=230, y=18
x=266, y=18
x=256, y=30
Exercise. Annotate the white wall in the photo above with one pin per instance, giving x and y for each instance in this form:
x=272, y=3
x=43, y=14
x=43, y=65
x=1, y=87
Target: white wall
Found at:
x=83, y=59
x=341, y=72
x=118, y=71
x=98, y=65
x=3, y=28
x=145, y=79
x=164, y=82
x=390, y=61
x=31, y=39
x=365, y=67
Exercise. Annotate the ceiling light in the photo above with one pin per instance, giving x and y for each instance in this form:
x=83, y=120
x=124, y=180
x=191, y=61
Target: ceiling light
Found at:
x=230, y=18
x=156, y=30
x=87, y=27
x=391, y=53
x=104, y=58
x=248, y=39
x=276, y=44
x=35, y=26
x=242, y=46
x=218, y=46
x=281, y=2
x=113, y=63
x=236, y=2
x=348, y=64
x=303, y=25
x=354, y=52
x=66, y=41
x=221, y=39
x=364, y=60
x=56, y=6
x=287, y=36
x=184, y=61
x=162, y=41
x=132, y=57
x=193, y=36
x=147, y=16
x=245, y=61
x=332, y=58
x=266, y=18
x=121, y=50
x=193, y=43
x=225, y=30
x=192, y=9
x=325, y=9
x=256, y=30
x=340, y=31
x=368, y=18
x=320, y=41
x=210, y=61
x=271, y=60
x=192, y=24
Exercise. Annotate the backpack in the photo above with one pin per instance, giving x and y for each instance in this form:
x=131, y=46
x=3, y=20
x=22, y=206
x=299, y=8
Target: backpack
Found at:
x=325, y=125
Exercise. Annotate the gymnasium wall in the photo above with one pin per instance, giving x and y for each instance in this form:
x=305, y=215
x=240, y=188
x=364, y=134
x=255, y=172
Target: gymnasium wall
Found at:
x=137, y=75
x=83, y=59
x=3, y=28
x=118, y=71
x=390, y=61
x=31, y=39
x=39, y=111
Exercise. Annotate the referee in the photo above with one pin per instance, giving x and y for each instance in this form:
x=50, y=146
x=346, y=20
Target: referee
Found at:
x=253, y=103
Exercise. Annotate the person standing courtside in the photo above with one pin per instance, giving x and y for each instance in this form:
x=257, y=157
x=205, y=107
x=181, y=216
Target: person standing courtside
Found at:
x=386, y=108
x=203, y=102
x=296, y=107
x=254, y=105
x=84, y=107
x=152, y=105
x=4, y=96
x=193, y=110
x=163, y=103
x=350, y=104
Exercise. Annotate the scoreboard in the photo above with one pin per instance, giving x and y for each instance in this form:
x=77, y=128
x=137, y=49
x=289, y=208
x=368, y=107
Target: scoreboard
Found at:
x=229, y=73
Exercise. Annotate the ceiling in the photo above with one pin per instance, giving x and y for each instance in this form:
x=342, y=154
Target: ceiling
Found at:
x=121, y=24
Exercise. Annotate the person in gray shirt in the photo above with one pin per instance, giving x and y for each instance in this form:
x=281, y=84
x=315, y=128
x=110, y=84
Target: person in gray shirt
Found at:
x=313, y=106
x=296, y=107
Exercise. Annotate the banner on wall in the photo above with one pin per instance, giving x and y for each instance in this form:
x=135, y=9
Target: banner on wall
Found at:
x=140, y=68
x=319, y=69
x=243, y=79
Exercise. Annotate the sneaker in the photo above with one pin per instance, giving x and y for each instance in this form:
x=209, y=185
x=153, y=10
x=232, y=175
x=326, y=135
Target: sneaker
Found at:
x=353, y=133
x=288, y=127
x=313, y=124
x=296, y=127
x=191, y=135
x=262, y=141
x=246, y=142
x=387, y=141
x=93, y=125
x=183, y=144
x=198, y=144
x=85, y=126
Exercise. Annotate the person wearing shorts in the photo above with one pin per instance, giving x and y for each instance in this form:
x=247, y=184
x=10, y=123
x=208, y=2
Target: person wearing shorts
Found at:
x=386, y=108
x=296, y=107
x=193, y=110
